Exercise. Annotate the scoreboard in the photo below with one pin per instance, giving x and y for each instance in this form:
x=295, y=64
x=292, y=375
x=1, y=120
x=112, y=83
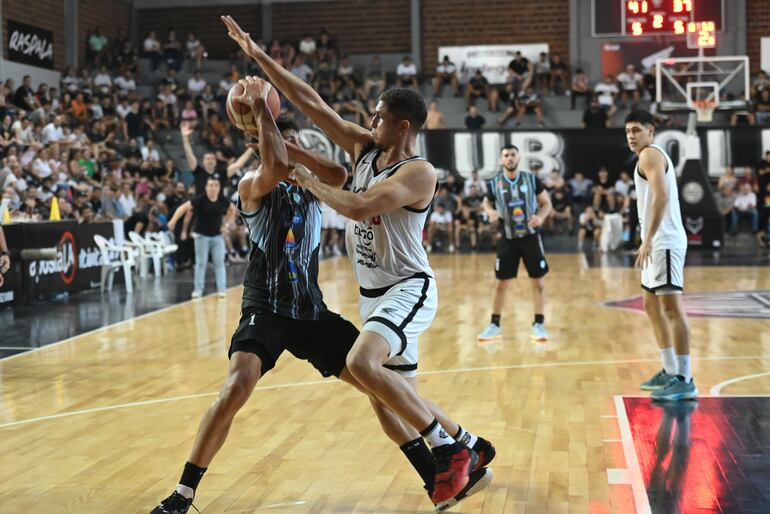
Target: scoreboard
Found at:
x=642, y=18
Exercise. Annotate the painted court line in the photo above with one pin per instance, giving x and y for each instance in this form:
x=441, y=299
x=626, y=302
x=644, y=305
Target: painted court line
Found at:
x=717, y=389
x=328, y=381
x=633, y=472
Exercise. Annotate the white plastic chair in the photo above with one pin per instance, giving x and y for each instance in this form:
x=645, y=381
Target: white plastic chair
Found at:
x=167, y=245
x=148, y=249
x=125, y=261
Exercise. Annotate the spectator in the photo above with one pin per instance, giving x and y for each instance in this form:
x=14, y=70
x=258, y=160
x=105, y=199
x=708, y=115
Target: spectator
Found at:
x=559, y=72
x=562, y=211
x=435, y=119
x=406, y=72
x=307, y=48
x=195, y=51
x=762, y=107
x=508, y=95
x=478, y=86
x=323, y=81
x=135, y=125
x=127, y=58
x=441, y=222
x=624, y=184
x=209, y=169
x=595, y=117
x=590, y=226
x=97, y=46
x=604, y=192
x=542, y=69
x=475, y=181
x=474, y=120
x=725, y=199
x=346, y=76
x=111, y=206
x=520, y=72
x=189, y=114
x=760, y=82
x=529, y=103
x=171, y=101
x=728, y=180
x=102, y=81
x=446, y=73
x=24, y=98
x=763, y=235
x=466, y=222
x=580, y=187
x=326, y=49
x=453, y=185
x=745, y=208
x=152, y=50
x=580, y=87
x=53, y=133
x=69, y=81
x=606, y=93
x=302, y=70
x=631, y=80
x=195, y=85
x=172, y=52
x=375, y=79
x=125, y=83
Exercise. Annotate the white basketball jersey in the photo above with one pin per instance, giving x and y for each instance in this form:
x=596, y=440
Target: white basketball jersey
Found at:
x=387, y=248
x=670, y=233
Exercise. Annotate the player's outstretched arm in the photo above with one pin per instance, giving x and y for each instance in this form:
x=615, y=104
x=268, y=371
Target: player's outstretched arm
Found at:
x=328, y=171
x=416, y=183
x=348, y=135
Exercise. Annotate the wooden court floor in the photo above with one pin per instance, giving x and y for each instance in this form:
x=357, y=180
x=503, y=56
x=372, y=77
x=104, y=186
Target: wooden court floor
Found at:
x=104, y=422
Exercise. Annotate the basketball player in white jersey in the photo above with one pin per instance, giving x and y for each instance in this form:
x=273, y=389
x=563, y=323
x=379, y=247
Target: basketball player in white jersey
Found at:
x=392, y=191
x=661, y=257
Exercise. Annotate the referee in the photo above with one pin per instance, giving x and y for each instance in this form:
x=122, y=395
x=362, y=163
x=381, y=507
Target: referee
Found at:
x=518, y=199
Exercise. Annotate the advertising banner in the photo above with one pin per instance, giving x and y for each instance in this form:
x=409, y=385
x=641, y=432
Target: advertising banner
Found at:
x=492, y=60
x=29, y=44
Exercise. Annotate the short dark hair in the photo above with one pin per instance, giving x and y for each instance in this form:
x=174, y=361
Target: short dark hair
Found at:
x=509, y=147
x=285, y=123
x=643, y=117
x=406, y=104
x=215, y=179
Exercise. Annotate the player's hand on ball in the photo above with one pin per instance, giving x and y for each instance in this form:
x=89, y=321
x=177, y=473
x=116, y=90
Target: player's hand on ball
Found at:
x=643, y=255
x=535, y=221
x=253, y=94
x=243, y=39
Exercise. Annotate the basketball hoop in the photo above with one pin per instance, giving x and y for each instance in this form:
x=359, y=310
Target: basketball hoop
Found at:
x=704, y=110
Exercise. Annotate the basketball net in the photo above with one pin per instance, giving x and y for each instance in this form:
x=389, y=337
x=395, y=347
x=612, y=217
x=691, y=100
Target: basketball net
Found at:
x=704, y=110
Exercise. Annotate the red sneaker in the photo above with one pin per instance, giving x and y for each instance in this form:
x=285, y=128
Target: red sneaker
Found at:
x=454, y=463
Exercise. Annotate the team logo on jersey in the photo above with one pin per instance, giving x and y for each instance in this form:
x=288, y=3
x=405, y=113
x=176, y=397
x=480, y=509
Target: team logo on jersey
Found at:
x=717, y=304
x=524, y=188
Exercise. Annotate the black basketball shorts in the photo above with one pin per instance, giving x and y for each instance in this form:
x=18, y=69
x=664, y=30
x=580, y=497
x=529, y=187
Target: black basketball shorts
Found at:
x=528, y=249
x=324, y=343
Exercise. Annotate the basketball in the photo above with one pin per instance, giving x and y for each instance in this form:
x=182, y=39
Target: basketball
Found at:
x=240, y=114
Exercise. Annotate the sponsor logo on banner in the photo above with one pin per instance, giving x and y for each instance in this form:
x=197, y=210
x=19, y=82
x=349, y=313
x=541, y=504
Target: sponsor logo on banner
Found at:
x=492, y=60
x=65, y=263
x=719, y=304
x=30, y=45
x=694, y=227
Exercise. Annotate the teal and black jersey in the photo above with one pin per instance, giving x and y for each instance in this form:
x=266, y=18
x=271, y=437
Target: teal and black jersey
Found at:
x=516, y=202
x=285, y=234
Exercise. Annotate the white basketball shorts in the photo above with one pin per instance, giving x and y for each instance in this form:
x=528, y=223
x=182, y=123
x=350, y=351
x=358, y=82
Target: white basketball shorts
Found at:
x=664, y=273
x=400, y=314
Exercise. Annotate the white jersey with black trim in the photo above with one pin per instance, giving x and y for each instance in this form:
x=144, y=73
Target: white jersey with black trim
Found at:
x=388, y=248
x=670, y=234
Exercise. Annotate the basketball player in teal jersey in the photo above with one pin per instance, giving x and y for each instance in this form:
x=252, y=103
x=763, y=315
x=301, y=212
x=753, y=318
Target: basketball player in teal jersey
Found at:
x=518, y=199
x=283, y=308
x=661, y=257
x=392, y=190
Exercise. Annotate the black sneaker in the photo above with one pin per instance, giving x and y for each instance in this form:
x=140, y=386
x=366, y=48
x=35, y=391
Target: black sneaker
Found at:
x=174, y=504
x=485, y=451
x=477, y=481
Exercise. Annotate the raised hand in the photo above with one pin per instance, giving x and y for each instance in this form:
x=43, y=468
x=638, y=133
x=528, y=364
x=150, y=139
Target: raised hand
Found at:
x=243, y=39
x=185, y=129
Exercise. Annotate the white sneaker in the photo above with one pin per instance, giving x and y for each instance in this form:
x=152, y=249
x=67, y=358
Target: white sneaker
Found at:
x=428, y=248
x=451, y=248
x=222, y=294
x=196, y=294
x=337, y=252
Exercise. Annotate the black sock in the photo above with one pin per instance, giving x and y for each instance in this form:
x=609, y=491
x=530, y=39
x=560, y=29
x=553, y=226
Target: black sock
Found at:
x=496, y=319
x=421, y=459
x=191, y=476
x=540, y=318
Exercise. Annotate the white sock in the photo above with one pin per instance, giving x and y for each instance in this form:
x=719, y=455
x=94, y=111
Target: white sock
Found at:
x=683, y=367
x=668, y=357
x=435, y=435
x=465, y=437
x=185, y=491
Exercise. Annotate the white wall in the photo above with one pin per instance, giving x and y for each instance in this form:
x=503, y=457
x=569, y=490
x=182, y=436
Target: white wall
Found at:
x=15, y=71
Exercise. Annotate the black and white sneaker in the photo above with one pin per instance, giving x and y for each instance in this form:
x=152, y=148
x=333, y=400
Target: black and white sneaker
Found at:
x=477, y=481
x=174, y=504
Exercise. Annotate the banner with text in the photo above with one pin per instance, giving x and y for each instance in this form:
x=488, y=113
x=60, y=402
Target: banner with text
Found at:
x=492, y=60
x=29, y=44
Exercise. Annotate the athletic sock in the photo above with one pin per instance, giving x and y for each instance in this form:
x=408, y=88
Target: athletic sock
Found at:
x=419, y=456
x=496, y=319
x=683, y=367
x=668, y=357
x=191, y=477
x=465, y=437
x=539, y=318
x=435, y=435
